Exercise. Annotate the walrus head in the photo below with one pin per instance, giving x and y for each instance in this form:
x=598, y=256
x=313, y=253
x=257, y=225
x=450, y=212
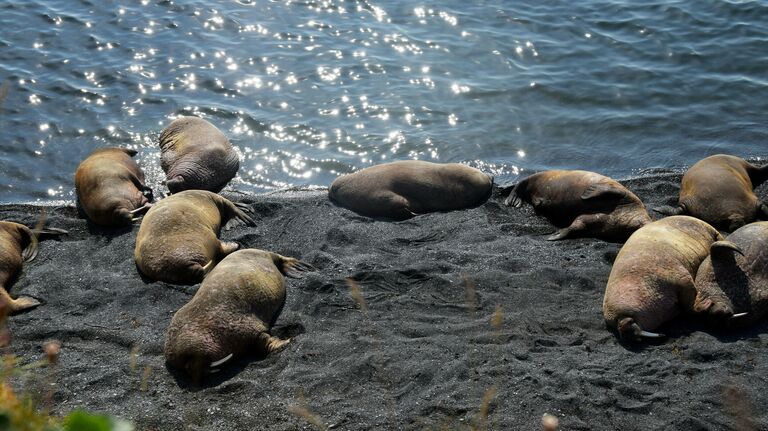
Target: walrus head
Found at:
x=629, y=330
x=193, y=351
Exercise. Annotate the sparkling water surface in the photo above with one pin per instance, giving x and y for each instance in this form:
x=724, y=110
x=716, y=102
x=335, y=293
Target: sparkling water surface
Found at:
x=309, y=90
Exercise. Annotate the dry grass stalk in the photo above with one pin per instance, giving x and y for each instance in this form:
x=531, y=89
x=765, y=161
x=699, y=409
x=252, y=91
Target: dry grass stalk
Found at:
x=481, y=420
x=133, y=357
x=470, y=293
x=302, y=410
x=145, y=378
x=357, y=295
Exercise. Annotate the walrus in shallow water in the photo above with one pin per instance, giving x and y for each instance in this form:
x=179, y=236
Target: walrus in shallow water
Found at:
x=582, y=203
x=110, y=187
x=404, y=189
x=18, y=244
x=652, y=278
x=232, y=312
x=719, y=190
x=196, y=155
x=732, y=283
x=178, y=238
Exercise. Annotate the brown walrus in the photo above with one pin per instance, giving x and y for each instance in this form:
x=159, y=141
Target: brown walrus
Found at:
x=582, y=203
x=404, y=189
x=196, y=155
x=110, y=187
x=178, y=238
x=732, y=283
x=719, y=190
x=652, y=278
x=232, y=312
x=18, y=244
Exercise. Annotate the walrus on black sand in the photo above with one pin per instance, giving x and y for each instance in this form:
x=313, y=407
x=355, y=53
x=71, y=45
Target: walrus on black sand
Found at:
x=18, y=244
x=652, y=279
x=404, y=189
x=732, y=283
x=178, y=238
x=196, y=155
x=719, y=190
x=232, y=312
x=582, y=203
x=110, y=187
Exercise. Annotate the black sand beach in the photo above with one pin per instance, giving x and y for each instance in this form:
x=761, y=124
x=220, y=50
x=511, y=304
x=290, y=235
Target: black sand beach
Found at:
x=423, y=352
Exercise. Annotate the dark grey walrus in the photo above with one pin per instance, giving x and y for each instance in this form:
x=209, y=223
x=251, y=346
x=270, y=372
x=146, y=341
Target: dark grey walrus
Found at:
x=733, y=280
x=582, y=203
x=232, y=312
x=652, y=279
x=110, y=187
x=178, y=238
x=404, y=189
x=196, y=155
x=719, y=190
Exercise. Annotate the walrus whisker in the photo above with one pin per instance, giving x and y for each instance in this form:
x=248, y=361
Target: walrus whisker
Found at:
x=222, y=360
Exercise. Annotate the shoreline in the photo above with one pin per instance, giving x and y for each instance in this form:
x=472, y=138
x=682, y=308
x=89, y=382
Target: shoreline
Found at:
x=457, y=303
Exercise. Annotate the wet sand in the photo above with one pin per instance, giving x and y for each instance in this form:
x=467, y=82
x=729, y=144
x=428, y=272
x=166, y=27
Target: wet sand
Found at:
x=422, y=353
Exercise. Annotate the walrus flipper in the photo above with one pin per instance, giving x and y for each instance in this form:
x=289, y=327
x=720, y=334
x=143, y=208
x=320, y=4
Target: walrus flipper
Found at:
x=291, y=267
x=668, y=210
x=718, y=247
x=513, y=199
x=235, y=213
x=19, y=304
x=602, y=191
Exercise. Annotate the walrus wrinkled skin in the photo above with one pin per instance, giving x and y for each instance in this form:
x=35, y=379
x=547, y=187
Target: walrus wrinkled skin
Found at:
x=232, y=312
x=652, y=279
x=178, y=238
x=404, y=189
x=719, y=190
x=582, y=203
x=732, y=283
x=110, y=187
x=196, y=155
x=18, y=244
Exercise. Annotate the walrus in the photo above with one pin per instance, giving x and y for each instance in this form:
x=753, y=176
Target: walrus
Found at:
x=719, y=190
x=194, y=154
x=18, y=244
x=652, y=278
x=110, y=187
x=232, y=312
x=732, y=283
x=404, y=189
x=178, y=238
x=582, y=203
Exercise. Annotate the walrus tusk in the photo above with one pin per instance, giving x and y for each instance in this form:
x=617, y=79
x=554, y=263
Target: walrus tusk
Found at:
x=647, y=334
x=222, y=360
x=737, y=315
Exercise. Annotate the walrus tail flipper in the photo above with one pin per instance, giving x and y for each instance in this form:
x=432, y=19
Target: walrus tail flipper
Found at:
x=291, y=267
x=19, y=304
x=275, y=344
x=30, y=244
x=719, y=247
x=560, y=234
x=235, y=213
x=129, y=151
x=513, y=199
x=669, y=210
x=602, y=191
x=630, y=330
